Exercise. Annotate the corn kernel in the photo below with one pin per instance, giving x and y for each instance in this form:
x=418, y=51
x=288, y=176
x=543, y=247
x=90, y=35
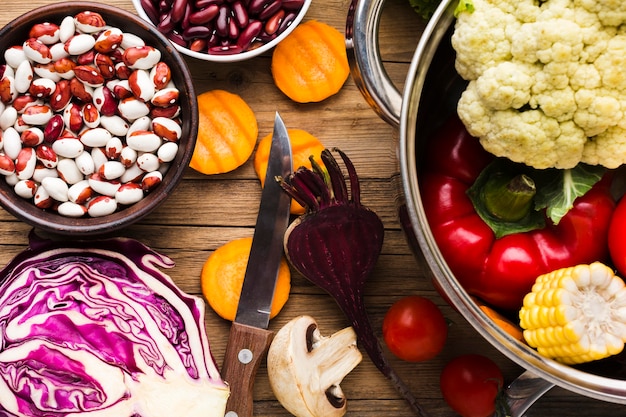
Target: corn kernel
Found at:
x=576, y=314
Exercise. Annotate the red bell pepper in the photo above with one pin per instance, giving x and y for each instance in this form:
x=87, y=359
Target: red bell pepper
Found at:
x=502, y=270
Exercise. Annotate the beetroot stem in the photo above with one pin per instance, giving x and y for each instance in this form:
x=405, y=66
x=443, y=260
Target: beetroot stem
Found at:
x=354, y=182
x=357, y=315
x=336, y=183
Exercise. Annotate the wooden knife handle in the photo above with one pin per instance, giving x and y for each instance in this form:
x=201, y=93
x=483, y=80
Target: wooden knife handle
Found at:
x=246, y=349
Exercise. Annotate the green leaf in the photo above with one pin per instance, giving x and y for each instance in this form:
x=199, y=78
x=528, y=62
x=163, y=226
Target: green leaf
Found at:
x=558, y=189
x=464, y=6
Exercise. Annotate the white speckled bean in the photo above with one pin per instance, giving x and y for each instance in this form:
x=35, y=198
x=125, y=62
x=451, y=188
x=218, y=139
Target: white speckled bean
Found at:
x=42, y=172
x=102, y=186
x=80, y=192
x=58, y=51
x=68, y=147
x=67, y=28
x=132, y=174
x=112, y=170
x=96, y=137
x=12, y=143
x=132, y=108
x=56, y=188
x=11, y=179
x=68, y=171
x=23, y=77
x=42, y=198
x=143, y=141
x=142, y=123
x=14, y=56
x=167, y=152
x=70, y=209
x=101, y=206
x=79, y=44
x=25, y=188
x=8, y=117
x=85, y=163
x=98, y=157
x=130, y=40
x=148, y=162
x=128, y=156
x=25, y=163
x=129, y=193
x=114, y=124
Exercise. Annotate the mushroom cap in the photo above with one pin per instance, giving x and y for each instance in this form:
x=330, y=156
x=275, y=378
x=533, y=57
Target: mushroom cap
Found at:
x=306, y=368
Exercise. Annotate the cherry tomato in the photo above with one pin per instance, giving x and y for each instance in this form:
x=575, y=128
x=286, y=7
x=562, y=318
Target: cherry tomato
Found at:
x=470, y=384
x=414, y=329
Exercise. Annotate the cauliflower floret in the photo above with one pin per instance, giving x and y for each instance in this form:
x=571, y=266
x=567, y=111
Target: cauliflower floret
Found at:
x=610, y=12
x=506, y=86
x=607, y=147
x=547, y=80
x=480, y=44
x=596, y=113
x=528, y=137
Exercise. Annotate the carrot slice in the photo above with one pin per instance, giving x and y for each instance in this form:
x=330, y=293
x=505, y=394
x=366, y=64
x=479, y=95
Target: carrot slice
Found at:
x=311, y=63
x=303, y=145
x=222, y=279
x=227, y=132
x=504, y=323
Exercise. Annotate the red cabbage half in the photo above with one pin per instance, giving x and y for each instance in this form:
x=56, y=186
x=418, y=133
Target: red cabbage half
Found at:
x=94, y=328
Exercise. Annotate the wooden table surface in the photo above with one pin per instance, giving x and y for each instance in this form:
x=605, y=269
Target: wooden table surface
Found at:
x=207, y=211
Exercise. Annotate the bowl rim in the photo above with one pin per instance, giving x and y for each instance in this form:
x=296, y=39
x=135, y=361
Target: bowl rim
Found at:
x=242, y=56
x=89, y=226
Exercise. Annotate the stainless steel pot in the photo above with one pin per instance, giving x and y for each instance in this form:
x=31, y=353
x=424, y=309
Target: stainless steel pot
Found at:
x=431, y=91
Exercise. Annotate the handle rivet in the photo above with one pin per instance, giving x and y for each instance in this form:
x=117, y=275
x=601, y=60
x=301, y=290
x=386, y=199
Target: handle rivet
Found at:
x=245, y=356
x=231, y=414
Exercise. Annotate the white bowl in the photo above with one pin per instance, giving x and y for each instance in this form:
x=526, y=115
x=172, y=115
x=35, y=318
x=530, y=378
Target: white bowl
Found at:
x=235, y=57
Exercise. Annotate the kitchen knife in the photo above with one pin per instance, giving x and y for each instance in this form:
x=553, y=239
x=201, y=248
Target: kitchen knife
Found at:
x=249, y=338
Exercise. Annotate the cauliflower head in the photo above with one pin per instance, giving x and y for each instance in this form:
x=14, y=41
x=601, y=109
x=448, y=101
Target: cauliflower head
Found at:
x=546, y=80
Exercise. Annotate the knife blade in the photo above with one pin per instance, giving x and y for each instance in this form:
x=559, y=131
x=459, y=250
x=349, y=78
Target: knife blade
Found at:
x=249, y=338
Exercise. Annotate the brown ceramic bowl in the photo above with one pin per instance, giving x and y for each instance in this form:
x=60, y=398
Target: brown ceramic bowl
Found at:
x=16, y=32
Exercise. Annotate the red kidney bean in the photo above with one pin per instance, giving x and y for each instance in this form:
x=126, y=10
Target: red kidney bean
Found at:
x=194, y=32
x=293, y=4
x=266, y=37
x=273, y=23
x=198, y=45
x=225, y=50
x=222, y=21
x=249, y=33
x=201, y=4
x=240, y=14
x=270, y=9
x=177, y=38
x=151, y=10
x=205, y=15
x=178, y=10
x=233, y=29
x=287, y=21
x=185, y=23
x=256, y=6
x=164, y=6
x=166, y=25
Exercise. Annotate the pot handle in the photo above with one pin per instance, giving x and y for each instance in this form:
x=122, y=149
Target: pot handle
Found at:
x=365, y=62
x=522, y=393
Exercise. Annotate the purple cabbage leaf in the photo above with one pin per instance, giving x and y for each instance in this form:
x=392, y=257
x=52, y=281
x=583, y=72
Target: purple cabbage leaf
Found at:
x=94, y=328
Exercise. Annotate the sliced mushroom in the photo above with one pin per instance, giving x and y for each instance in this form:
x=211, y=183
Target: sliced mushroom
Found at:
x=306, y=368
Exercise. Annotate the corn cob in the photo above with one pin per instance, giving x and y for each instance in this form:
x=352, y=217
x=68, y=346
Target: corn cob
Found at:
x=577, y=314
